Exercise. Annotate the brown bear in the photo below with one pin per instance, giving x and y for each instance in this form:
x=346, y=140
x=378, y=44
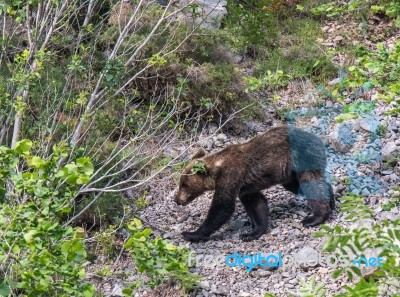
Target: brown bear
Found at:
x=283, y=155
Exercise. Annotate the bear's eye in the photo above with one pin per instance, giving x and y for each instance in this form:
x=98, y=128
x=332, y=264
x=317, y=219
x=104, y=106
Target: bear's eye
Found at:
x=184, y=184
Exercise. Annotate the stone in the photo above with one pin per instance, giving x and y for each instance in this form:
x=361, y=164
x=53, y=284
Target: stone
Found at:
x=389, y=150
x=238, y=58
x=335, y=81
x=223, y=290
x=210, y=15
x=222, y=137
x=212, y=129
x=341, y=138
x=365, y=223
x=205, y=285
x=307, y=257
x=365, y=191
x=369, y=124
x=324, y=139
x=338, y=38
x=236, y=225
x=117, y=290
x=388, y=215
x=182, y=218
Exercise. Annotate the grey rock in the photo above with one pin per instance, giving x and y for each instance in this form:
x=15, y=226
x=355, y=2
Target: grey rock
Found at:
x=307, y=257
x=223, y=290
x=182, y=218
x=222, y=137
x=369, y=124
x=219, y=143
x=263, y=273
x=238, y=58
x=335, y=81
x=324, y=139
x=167, y=235
x=117, y=291
x=365, y=191
x=254, y=126
x=362, y=224
x=205, y=285
x=389, y=150
x=236, y=225
x=388, y=215
x=275, y=231
x=212, y=129
x=210, y=16
x=341, y=138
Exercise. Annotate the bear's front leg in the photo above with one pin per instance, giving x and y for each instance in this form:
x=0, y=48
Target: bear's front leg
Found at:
x=222, y=208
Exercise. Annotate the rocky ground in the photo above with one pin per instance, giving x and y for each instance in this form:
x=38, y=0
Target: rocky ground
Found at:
x=347, y=171
x=356, y=150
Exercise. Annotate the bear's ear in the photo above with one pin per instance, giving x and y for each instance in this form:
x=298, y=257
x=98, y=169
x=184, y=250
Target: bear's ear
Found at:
x=199, y=154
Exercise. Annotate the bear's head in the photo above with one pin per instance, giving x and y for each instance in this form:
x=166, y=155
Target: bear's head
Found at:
x=195, y=179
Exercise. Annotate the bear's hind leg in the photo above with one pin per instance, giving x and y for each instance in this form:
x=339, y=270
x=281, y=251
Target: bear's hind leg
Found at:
x=256, y=206
x=292, y=186
x=319, y=195
x=321, y=211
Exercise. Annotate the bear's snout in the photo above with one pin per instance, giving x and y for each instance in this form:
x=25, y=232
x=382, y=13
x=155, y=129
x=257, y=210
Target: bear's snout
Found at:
x=178, y=199
x=182, y=198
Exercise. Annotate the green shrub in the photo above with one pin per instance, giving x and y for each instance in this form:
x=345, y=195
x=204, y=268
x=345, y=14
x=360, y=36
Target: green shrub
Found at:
x=218, y=88
x=383, y=238
x=38, y=255
x=373, y=69
x=160, y=260
x=390, y=8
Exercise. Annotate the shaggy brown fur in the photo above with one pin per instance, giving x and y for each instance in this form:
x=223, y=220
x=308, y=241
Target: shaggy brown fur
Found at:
x=283, y=155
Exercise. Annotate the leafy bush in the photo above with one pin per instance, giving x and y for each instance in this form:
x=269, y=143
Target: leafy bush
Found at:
x=354, y=110
x=220, y=88
x=160, y=260
x=391, y=8
x=383, y=238
x=38, y=255
x=251, y=23
x=270, y=80
x=379, y=69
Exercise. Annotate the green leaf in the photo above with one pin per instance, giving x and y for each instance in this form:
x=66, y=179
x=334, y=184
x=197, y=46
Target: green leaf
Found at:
x=28, y=236
x=199, y=166
x=4, y=289
x=88, y=290
x=36, y=162
x=82, y=180
x=86, y=164
x=23, y=146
